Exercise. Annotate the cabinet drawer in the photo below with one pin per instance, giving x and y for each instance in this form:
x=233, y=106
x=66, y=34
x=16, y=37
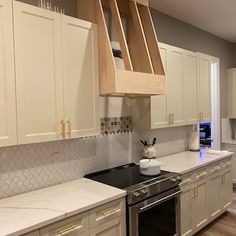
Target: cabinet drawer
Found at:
x=107, y=212
x=215, y=168
x=34, y=233
x=201, y=174
x=226, y=164
x=76, y=225
x=186, y=180
x=115, y=227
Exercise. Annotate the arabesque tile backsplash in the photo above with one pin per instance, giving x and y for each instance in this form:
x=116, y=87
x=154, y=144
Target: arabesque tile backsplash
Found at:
x=28, y=167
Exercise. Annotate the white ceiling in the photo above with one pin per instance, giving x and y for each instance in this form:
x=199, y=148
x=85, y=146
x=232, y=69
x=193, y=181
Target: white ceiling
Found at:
x=215, y=16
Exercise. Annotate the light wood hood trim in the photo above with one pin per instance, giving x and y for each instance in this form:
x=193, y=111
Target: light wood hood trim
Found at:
x=107, y=66
x=137, y=42
x=152, y=40
x=121, y=35
x=144, y=74
x=142, y=2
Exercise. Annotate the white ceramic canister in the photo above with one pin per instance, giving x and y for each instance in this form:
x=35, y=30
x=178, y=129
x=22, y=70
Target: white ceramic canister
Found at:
x=150, y=167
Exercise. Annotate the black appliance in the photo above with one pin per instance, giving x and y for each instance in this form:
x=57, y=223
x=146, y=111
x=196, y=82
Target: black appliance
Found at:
x=205, y=134
x=153, y=202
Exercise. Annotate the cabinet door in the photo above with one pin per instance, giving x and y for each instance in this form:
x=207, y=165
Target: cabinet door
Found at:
x=175, y=92
x=231, y=93
x=116, y=227
x=159, y=116
x=226, y=188
x=185, y=211
x=204, y=85
x=214, y=203
x=38, y=73
x=75, y=226
x=80, y=67
x=199, y=205
x=7, y=77
x=191, y=87
x=34, y=233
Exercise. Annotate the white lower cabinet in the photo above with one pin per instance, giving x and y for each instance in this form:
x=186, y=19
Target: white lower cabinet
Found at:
x=105, y=220
x=214, y=206
x=116, y=227
x=207, y=193
x=199, y=205
x=185, y=211
x=77, y=225
x=34, y=233
x=226, y=188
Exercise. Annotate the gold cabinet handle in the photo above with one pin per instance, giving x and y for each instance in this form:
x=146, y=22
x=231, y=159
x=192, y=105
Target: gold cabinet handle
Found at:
x=222, y=179
x=110, y=211
x=193, y=192
x=196, y=191
x=200, y=115
x=62, y=129
x=69, y=230
x=68, y=128
x=202, y=174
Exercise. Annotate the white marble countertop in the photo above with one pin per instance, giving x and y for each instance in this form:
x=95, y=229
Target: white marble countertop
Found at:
x=185, y=162
x=27, y=212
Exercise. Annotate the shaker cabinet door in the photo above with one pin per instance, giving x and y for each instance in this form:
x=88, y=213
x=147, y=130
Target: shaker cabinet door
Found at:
x=226, y=188
x=38, y=73
x=116, y=227
x=80, y=68
x=185, y=211
x=8, y=134
x=199, y=207
x=204, y=87
x=159, y=116
x=175, y=85
x=191, y=87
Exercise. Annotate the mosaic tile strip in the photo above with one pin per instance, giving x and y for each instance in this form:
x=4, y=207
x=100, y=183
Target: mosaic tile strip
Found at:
x=116, y=125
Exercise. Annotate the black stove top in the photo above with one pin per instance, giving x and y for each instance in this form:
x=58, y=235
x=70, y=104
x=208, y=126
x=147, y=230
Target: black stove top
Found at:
x=124, y=176
x=138, y=186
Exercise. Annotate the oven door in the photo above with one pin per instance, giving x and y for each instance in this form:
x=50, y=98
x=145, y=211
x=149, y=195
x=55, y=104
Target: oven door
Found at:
x=157, y=216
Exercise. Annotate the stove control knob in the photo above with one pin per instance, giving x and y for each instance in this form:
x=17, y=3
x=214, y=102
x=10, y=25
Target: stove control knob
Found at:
x=137, y=193
x=144, y=190
x=173, y=180
x=179, y=178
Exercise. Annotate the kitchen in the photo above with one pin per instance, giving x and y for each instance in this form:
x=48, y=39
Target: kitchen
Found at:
x=78, y=127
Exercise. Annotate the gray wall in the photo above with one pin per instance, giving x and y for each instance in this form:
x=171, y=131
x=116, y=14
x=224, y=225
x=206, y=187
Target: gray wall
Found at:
x=180, y=34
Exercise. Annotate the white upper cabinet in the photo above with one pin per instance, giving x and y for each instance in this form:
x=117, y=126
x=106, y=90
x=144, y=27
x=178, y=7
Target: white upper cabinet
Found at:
x=8, y=134
x=175, y=85
x=38, y=73
x=56, y=74
x=80, y=68
x=231, y=93
x=191, y=87
x=204, y=87
x=159, y=115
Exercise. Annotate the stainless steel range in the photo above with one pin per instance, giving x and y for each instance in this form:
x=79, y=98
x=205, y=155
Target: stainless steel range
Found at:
x=152, y=201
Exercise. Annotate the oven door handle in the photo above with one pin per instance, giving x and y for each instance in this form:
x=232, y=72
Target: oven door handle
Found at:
x=160, y=200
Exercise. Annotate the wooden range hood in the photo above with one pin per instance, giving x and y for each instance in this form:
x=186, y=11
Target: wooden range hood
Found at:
x=144, y=74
